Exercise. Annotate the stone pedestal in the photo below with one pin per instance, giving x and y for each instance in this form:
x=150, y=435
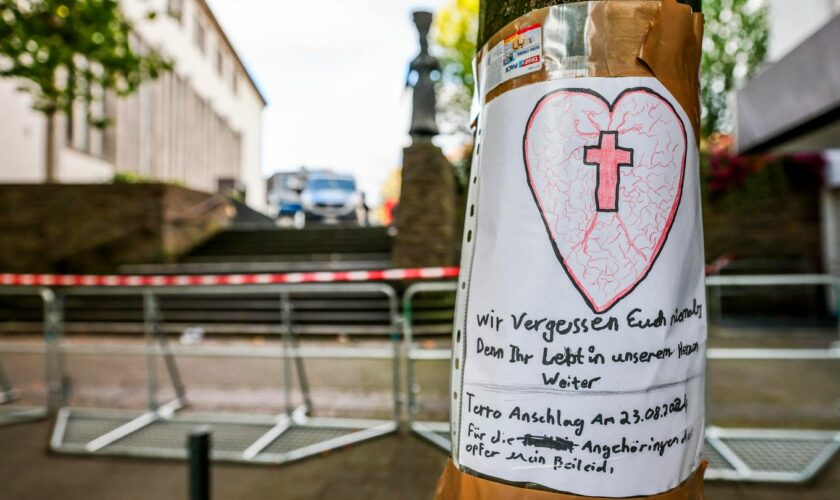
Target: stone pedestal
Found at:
x=425, y=218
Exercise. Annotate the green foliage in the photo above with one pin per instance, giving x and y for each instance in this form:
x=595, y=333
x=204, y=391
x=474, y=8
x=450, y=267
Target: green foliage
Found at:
x=456, y=26
x=125, y=177
x=129, y=178
x=734, y=47
x=71, y=50
x=455, y=31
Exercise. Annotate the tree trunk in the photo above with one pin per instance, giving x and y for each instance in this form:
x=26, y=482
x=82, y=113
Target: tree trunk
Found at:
x=50, y=160
x=507, y=260
x=494, y=14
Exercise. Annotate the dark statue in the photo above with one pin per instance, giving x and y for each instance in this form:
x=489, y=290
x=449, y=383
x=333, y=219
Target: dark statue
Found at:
x=423, y=114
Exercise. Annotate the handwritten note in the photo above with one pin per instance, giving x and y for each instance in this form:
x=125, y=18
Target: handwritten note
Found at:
x=581, y=316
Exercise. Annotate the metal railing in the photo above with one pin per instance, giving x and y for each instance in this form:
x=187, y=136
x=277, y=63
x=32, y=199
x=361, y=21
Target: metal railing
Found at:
x=290, y=435
x=773, y=455
x=435, y=432
x=742, y=454
x=769, y=455
x=715, y=285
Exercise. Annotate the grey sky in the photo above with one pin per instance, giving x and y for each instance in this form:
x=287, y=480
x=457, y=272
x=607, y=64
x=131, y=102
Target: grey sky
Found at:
x=334, y=74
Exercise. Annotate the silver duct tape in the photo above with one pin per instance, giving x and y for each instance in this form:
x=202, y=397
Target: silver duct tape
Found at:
x=564, y=49
x=566, y=40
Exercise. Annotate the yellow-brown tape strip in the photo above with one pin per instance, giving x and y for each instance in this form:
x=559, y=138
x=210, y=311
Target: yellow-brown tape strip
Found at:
x=659, y=38
x=457, y=485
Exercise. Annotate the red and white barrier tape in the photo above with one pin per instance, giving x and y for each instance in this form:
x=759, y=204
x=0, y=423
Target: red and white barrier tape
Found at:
x=226, y=279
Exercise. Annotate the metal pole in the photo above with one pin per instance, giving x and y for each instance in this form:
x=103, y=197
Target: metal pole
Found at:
x=54, y=366
x=395, y=340
x=408, y=337
x=286, y=318
x=198, y=444
x=716, y=293
x=168, y=356
x=7, y=392
x=836, y=289
x=303, y=380
x=294, y=342
x=150, y=329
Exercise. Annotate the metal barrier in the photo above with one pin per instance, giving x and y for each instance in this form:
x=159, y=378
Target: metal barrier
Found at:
x=715, y=284
x=10, y=411
x=435, y=432
x=770, y=455
x=161, y=430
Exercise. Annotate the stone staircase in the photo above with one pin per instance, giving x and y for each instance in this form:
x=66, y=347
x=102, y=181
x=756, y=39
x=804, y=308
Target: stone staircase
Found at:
x=247, y=249
x=243, y=249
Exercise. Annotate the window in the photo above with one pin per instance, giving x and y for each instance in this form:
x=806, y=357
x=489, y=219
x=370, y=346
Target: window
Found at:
x=175, y=8
x=199, y=34
x=234, y=81
x=318, y=184
x=109, y=135
x=220, y=62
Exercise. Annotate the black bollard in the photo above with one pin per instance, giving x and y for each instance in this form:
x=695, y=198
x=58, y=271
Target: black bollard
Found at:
x=198, y=444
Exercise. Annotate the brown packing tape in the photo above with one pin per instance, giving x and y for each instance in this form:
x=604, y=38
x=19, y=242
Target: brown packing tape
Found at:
x=659, y=38
x=672, y=51
x=457, y=485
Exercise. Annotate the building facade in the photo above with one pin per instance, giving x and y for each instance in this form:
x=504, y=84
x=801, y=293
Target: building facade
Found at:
x=198, y=125
x=792, y=22
x=793, y=104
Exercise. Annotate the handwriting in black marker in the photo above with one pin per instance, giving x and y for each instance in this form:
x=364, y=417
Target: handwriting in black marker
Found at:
x=554, y=443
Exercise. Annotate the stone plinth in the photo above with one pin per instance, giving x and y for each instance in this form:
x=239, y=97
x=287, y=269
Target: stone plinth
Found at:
x=425, y=218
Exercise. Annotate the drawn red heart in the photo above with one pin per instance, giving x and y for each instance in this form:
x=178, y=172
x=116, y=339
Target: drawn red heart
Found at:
x=607, y=179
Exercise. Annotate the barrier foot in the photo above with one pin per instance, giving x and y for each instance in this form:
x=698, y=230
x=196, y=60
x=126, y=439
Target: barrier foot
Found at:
x=9, y=396
x=164, y=412
x=283, y=424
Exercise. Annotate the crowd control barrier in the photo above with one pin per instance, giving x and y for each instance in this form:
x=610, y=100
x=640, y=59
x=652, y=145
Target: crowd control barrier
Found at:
x=716, y=285
x=436, y=432
x=789, y=455
x=734, y=454
x=160, y=431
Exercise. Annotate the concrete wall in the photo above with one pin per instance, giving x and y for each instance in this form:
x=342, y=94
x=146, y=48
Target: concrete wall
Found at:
x=82, y=228
x=238, y=104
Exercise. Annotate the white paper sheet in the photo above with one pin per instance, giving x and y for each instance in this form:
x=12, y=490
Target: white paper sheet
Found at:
x=581, y=315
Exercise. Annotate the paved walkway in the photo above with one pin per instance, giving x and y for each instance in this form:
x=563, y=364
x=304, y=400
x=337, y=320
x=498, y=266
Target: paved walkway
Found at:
x=396, y=467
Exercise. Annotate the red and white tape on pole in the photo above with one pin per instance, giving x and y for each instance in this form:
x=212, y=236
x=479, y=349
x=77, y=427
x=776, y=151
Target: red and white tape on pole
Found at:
x=226, y=279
